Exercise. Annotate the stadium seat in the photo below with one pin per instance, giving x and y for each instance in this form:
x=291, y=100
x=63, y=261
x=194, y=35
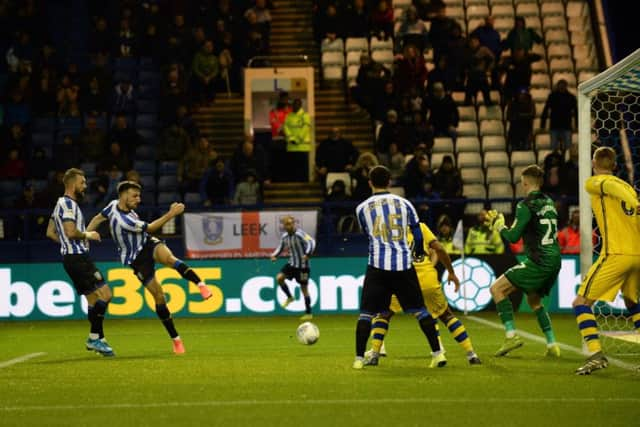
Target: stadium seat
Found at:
x=559, y=50
x=553, y=22
x=333, y=72
x=168, y=197
x=539, y=95
x=527, y=9
x=360, y=44
x=146, y=106
x=472, y=176
x=495, y=158
x=494, y=143
x=168, y=182
x=491, y=127
x=403, y=4
x=193, y=199
x=556, y=36
x=146, y=121
x=397, y=190
x=503, y=11
x=493, y=112
x=336, y=45
x=436, y=159
x=384, y=57
x=480, y=11
x=468, y=144
x=70, y=125
x=380, y=44
x=42, y=139
x=467, y=113
x=471, y=192
x=473, y=23
x=148, y=183
x=145, y=167
x=540, y=80
x=334, y=176
x=145, y=152
x=89, y=168
x=353, y=58
x=332, y=59
x=43, y=124
x=151, y=78
x=522, y=158
x=352, y=74
x=467, y=129
x=168, y=168
x=542, y=141
x=442, y=144
x=469, y=160
x=517, y=173
x=498, y=174
x=500, y=191
x=149, y=136
x=569, y=77
x=541, y=156
x=552, y=9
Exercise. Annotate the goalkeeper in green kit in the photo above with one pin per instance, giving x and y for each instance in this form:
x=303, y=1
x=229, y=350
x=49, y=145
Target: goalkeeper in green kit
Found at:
x=536, y=222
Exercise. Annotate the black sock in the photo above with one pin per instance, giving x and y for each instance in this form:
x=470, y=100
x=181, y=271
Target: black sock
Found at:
x=428, y=326
x=99, y=309
x=91, y=315
x=286, y=290
x=165, y=316
x=186, y=272
x=362, y=335
x=307, y=304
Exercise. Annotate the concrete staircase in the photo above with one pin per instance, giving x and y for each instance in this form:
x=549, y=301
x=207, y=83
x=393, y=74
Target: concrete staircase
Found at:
x=291, y=38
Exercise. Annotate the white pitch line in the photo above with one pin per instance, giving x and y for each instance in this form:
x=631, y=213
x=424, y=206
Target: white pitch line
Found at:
x=326, y=402
x=20, y=359
x=613, y=361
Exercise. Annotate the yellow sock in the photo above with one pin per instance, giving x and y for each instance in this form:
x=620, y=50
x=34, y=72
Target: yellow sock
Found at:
x=379, y=329
x=588, y=327
x=459, y=333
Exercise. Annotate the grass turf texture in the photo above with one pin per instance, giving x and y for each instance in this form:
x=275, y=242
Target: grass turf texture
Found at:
x=252, y=371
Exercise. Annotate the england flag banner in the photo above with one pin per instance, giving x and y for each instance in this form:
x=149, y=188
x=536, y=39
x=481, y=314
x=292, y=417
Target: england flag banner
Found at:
x=240, y=234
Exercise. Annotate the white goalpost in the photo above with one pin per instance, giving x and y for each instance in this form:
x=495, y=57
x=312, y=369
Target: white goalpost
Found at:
x=609, y=115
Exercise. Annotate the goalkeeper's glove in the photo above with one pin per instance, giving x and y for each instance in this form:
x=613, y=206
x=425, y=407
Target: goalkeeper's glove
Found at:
x=495, y=220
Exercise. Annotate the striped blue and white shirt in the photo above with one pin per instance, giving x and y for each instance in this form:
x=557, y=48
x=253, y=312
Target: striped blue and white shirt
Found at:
x=127, y=230
x=298, y=244
x=386, y=217
x=68, y=210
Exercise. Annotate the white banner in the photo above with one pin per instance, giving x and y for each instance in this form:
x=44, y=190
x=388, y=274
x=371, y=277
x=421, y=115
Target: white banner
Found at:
x=240, y=234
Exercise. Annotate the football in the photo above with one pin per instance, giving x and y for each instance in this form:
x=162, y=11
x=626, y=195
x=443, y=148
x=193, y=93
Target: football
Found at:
x=307, y=333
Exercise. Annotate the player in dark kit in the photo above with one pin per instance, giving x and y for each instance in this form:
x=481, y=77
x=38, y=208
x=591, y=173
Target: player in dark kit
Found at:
x=537, y=223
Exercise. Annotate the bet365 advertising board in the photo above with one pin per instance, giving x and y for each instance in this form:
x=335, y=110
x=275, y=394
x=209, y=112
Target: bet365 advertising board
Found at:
x=246, y=287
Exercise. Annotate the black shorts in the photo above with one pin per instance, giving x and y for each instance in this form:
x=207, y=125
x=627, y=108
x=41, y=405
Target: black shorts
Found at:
x=83, y=272
x=144, y=266
x=379, y=285
x=300, y=274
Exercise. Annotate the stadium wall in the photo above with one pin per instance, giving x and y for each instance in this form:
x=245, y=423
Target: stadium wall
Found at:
x=245, y=287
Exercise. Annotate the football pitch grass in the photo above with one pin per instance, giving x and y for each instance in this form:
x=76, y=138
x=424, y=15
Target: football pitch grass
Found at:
x=252, y=371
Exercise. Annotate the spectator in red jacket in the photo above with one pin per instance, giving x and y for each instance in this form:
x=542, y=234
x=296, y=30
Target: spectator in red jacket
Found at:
x=569, y=237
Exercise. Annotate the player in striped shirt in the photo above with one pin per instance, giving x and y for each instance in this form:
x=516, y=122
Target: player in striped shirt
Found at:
x=66, y=226
x=139, y=250
x=300, y=246
x=386, y=218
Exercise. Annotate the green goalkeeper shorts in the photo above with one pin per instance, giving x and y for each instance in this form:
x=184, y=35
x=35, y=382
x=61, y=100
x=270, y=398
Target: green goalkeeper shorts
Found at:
x=533, y=278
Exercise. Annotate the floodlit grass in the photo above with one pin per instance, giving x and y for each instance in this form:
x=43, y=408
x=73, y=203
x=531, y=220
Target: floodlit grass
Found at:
x=252, y=371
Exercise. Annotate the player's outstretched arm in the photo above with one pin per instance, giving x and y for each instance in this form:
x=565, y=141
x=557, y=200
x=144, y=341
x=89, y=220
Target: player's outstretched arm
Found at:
x=445, y=259
x=52, y=233
x=96, y=221
x=73, y=233
x=174, y=210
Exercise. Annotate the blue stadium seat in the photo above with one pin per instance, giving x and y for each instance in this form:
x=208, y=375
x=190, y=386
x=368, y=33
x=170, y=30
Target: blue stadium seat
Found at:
x=168, y=182
x=168, y=197
x=147, y=106
x=145, y=167
x=39, y=184
x=149, y=136
x=168, y=168
x=148, y=183
x=43, y=125
x=42, y=139
x=150, y=78
x=70, y=125
x=10, y=187
x=89, y=168
x=146, y=121
x=193, y=199
x=146, y=91
x=148, y=198
x=146, y=64
x=145, y=152
x=125, y=63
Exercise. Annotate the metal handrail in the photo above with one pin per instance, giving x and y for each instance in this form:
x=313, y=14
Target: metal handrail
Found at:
x=304, y=58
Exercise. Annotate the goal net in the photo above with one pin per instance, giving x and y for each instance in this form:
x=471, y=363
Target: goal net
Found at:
x=609, y=115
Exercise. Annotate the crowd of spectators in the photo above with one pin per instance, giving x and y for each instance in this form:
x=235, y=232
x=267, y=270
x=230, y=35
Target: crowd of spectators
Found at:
x=411, y=102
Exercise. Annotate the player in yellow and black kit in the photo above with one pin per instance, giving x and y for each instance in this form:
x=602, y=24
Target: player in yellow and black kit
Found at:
x=615, y=206
x=434, y=299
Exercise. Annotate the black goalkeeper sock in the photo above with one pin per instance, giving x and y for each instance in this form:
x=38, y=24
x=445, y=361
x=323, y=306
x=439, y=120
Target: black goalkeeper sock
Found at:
x=99, y=310
x=186, y=272
x=428, y=326
x=286, y=290
x=363, y=328
x=165, y=317
x=307, y=305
